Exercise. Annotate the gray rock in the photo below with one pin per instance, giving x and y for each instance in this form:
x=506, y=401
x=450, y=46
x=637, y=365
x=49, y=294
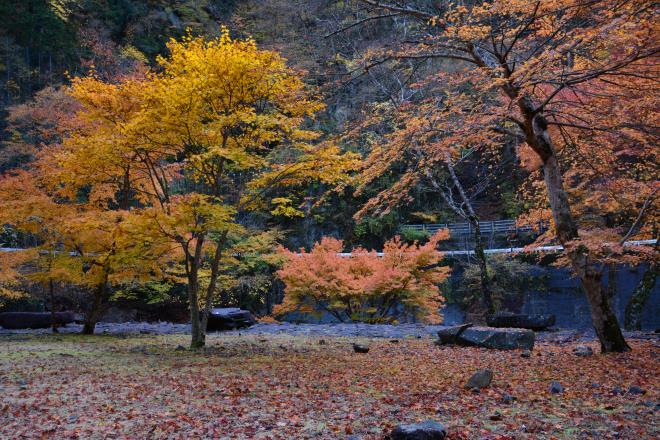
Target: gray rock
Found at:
x=360, y=348
x=526, y=354
x=583, y=350
x=556, y=387
x=488, y=337
x=634, y=389
x=507, y=398
x=513, y=320
x=229, y=318
x=180, y=348
x=427, y=430
x=450, y=335
x=481, y=379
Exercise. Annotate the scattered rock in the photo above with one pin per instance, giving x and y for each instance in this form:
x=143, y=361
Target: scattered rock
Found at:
x=481, y=379
x=526, y=354
x=394, y=341
x=556, y=387
x=450, y=335
x=322, y=342
x=427, y=430
x=229, y=318
x=507, y=398
x=139, y=349
x=634, y=389
x=180, y=348
x=360, y=348
x=617, y=391
x=488, y=337
x=583, y=350
x=513, y=320
x=496, y=416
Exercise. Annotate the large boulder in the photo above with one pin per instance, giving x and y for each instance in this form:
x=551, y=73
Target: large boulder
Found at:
x=23, y=320
x=427, y=430
x=229, y=318
x=518, y=320
x=488, y=337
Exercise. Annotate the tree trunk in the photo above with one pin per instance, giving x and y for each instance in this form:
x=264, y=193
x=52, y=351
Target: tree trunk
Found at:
x=473, y=219
x=198, y=335
x=603, y=318
x=639, y=298
x=480, y=255
x=198, y=338
x=94, y=311
x=51, y=292
x=213, y=281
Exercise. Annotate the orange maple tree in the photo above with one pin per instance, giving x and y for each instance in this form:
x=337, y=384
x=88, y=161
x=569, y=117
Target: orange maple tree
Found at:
x=365, y=286
x=560, y=78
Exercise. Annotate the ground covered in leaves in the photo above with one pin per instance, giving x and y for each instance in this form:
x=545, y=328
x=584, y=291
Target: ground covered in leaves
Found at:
x=284, y=387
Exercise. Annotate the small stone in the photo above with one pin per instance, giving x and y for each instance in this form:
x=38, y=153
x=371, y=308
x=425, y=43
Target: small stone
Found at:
x=180, y=348
x=556, y=387
x=634, y=389
x=394, y=341
x=72, y=419
x=496, y=416
x=427, y=430
x=481, y=379
x=526, y=354
x=583, y=350
x=322, y=342
x=617, y=391
x=507, y=398
x=360, y=348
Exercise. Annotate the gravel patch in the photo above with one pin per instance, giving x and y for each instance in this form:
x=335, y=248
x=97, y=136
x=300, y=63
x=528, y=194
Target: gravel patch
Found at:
x=399, y=331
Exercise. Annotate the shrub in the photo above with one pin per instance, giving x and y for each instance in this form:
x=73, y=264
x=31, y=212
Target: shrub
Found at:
x=365, y=287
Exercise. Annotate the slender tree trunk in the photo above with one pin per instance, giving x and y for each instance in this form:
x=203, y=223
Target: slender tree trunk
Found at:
x=93, y=313
x=603, y=318
x=473, y=219
x=639, y=298
x=215, y=271
x=198, y=335
x=51, y=293
x=480, y=255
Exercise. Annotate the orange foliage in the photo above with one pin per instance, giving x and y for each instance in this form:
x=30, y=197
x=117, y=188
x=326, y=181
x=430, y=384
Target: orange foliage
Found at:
x=364, y=286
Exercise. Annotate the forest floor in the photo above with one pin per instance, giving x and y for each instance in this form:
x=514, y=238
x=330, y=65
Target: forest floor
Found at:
x=298, y=387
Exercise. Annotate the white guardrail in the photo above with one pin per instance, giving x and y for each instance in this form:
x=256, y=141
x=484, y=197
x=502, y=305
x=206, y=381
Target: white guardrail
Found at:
x=511, y=250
